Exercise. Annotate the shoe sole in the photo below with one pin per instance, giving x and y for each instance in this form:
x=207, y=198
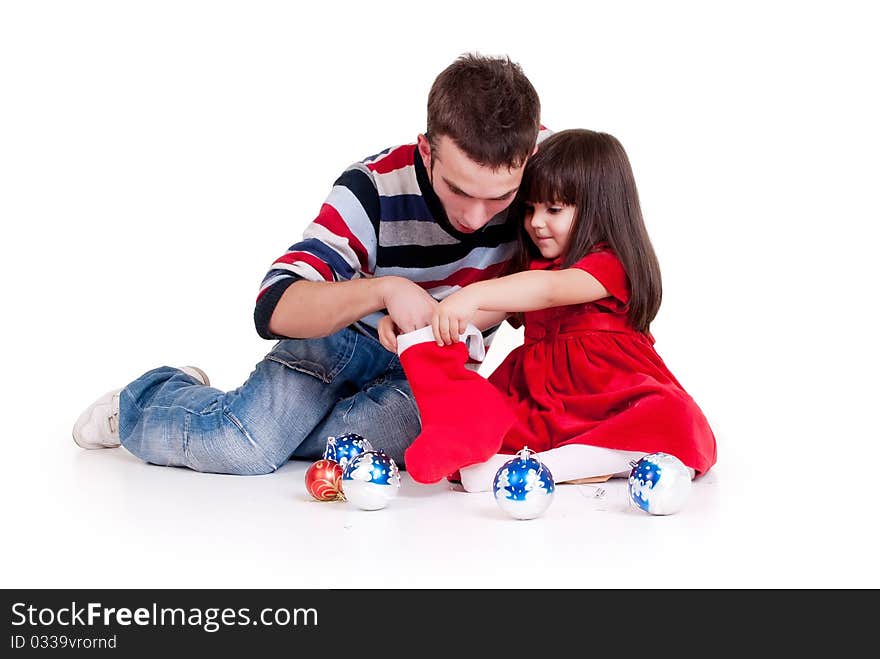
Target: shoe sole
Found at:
x=88, y=445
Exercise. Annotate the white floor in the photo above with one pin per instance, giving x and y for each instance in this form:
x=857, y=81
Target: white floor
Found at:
x=104, y=519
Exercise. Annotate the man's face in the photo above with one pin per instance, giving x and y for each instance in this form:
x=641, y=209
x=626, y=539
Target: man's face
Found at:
x=470, y=193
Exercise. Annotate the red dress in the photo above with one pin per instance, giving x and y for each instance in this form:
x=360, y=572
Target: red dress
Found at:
x=585, y=376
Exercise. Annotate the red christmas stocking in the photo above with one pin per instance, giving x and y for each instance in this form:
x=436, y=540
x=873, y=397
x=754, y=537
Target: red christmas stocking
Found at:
x=464, y=418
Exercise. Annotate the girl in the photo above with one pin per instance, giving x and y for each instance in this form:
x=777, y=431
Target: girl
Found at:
x=587, y=389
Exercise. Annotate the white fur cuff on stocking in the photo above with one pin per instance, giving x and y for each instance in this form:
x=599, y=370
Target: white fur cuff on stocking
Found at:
x=472, y=337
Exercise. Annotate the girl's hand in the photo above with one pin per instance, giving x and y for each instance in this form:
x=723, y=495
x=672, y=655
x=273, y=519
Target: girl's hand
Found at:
x=388, y=332
x=452, y=315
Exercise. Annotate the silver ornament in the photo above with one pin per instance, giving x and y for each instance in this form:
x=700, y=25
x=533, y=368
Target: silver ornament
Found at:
x=523, y=486
x=659, y=484
x=370, y=480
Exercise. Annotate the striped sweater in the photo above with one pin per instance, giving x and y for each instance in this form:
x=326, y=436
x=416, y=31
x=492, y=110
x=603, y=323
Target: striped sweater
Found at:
x=381, y=218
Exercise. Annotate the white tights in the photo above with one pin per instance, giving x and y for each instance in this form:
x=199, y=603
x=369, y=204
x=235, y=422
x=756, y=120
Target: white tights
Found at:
x=566, y=463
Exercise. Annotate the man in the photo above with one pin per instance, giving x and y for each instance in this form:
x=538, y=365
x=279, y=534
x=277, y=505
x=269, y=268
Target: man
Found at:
x=398, y=232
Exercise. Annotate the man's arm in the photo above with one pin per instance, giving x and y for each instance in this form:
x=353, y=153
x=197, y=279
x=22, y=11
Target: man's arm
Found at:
x=309, y=309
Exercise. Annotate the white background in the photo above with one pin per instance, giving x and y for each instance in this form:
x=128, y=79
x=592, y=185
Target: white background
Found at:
x=155, y=157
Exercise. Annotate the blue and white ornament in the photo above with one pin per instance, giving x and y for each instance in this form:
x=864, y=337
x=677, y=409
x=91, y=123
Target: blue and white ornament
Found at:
x=659, y=484
x=344, y=448
x=523, y=486
x=370, y=480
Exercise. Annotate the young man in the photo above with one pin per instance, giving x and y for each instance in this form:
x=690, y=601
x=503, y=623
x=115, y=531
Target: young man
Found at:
x=398, y=232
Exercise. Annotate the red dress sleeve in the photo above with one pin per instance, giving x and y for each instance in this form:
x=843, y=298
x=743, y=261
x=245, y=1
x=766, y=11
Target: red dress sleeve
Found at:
x=607, y=268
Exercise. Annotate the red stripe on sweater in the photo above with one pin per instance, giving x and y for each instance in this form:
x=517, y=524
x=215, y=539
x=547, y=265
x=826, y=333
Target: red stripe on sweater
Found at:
x=400, y=157
x=309, y=259
x=467, y=276
x=330, y=219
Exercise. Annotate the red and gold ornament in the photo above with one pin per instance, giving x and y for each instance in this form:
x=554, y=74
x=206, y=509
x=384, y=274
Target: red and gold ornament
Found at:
x=324, y=480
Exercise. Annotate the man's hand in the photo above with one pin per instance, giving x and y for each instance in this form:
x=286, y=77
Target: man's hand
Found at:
x=408, y=304
x=452, y=315
x=388, y=332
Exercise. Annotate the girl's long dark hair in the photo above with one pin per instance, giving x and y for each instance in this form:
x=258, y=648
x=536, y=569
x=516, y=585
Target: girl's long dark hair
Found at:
x=591, y=171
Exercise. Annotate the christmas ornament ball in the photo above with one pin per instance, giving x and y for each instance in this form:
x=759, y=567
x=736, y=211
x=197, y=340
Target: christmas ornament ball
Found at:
x=523, y=486
x=370, y=480
x=324, y=480
x=344, y=448
x=659, y=484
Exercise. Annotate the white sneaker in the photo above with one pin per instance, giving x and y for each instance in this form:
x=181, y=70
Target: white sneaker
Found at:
x=98, y=425
x=197, y=373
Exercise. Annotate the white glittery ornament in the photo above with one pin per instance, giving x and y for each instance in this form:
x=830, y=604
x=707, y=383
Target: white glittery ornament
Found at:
x=370, y=480
x=659, y=484
x=523, y=486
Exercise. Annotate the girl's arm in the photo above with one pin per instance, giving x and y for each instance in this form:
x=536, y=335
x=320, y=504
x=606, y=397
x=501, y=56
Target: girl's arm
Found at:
x=483, y=319
x=523, y=291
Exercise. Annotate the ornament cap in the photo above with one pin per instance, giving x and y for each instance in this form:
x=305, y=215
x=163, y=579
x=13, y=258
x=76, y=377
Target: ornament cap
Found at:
x=525, y=453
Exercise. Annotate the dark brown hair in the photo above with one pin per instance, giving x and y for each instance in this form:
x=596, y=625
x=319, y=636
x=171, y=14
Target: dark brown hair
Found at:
x=488, y=107
x=591, y=172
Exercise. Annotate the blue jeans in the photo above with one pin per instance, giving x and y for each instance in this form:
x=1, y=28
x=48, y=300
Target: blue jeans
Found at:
x=302, y=392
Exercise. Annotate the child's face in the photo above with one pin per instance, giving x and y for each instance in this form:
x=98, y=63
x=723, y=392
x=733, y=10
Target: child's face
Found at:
x=549, y=227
